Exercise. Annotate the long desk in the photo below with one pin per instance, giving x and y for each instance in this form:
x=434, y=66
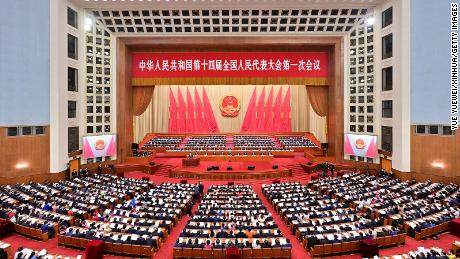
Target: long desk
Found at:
x=234, y=158
x=184, y=153
x=121, y=168
x=190, y=162
x=231, y=175
x=117, y=248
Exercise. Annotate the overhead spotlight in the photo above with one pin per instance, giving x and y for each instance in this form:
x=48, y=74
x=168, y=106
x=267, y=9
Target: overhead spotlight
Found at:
x=370, y=20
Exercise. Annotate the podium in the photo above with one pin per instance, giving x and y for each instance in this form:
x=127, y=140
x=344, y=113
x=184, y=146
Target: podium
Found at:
x=95, y=249
x=454, y=227
x=189, y=162
x=232, y=253
x=369, y=248
x=6, y=228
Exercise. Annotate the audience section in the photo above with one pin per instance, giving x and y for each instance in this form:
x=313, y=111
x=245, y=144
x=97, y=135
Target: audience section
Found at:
x=132, y=217
x=332, y=215
x=231, y=219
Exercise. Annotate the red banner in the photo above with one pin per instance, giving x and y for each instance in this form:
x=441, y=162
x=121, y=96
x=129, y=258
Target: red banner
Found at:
x=230, y=64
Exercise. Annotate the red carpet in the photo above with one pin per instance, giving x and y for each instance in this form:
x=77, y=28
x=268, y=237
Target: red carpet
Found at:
x=297, y=249
x=165, y=252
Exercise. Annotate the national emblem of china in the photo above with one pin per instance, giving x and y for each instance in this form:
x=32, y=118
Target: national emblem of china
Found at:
x=229, y=106
x=360, y=144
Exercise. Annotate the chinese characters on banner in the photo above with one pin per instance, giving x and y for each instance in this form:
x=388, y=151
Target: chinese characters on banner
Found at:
x=229, y=64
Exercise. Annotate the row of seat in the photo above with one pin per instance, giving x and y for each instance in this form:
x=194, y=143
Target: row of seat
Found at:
x=232, y=176
x=72, y=241
x=348, y=247
x=426, y=232
x=259, y=253
x=115, y=248
x=31, y=232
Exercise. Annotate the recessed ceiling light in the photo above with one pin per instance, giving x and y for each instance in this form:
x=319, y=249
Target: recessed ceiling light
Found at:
x=370, y=21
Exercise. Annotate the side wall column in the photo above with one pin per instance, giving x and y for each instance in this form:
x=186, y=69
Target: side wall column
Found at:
x=58, y=86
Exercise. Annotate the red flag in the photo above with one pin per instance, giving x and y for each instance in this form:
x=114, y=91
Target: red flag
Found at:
x=269, y=112
x=172, y=112
x=190, y=113
x=250, y=116
x=260, y=112
x=181, y=124
x=348, y=148
x=277, y=126
x=198, y=113
x=371, y=150
x=209, y=114
x=287, y=111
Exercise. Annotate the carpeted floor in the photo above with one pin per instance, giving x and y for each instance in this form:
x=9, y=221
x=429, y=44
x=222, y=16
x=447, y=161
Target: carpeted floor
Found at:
x=298, y=252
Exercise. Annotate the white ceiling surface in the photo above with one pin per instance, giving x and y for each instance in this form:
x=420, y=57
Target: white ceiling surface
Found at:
x=237, y=4
x=228, y=17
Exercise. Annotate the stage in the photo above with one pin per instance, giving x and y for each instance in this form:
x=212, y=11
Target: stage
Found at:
x=173, y=167
x=239, y=169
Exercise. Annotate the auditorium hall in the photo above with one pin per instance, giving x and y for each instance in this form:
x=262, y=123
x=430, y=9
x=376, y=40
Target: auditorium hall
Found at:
x=229, y=129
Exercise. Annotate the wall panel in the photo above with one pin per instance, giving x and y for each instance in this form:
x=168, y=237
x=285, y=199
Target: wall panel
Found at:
x=33, y=150
x=427, y=149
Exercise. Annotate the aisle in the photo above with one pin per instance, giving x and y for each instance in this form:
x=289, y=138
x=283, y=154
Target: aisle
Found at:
x=297, y=250
x=166, y=250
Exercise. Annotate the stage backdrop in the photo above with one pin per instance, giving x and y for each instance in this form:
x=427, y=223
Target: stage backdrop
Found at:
x=156, y=116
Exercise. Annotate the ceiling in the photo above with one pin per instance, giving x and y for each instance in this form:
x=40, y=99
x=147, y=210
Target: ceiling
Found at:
x=228, y=17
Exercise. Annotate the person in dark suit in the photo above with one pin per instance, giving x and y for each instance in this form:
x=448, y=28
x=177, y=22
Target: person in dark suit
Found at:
x=196, y=193
x=188, y=208
x=189, y=244
x=73, y=174
x=150, y=242
x=201, y=187
x=222, y=234
x=240, y=234
x=218, y=244
x=179, y=244
x=45, y=228
x=288, y=243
